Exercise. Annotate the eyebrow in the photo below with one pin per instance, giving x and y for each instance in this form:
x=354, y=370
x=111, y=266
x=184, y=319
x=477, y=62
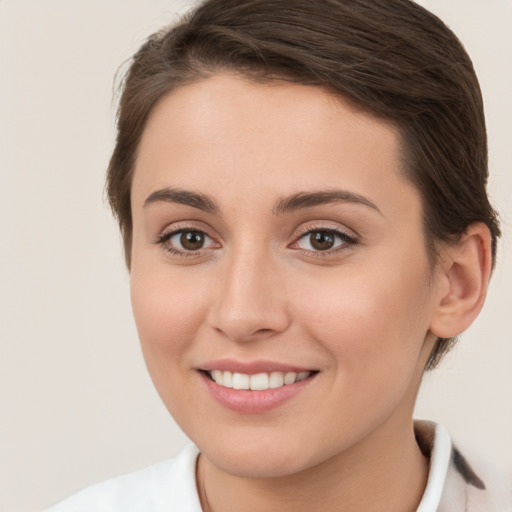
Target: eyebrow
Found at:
x=186, y=197
x=309, y=199
x=292, y=203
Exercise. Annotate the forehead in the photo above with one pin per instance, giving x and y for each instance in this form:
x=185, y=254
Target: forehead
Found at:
x=273, y=137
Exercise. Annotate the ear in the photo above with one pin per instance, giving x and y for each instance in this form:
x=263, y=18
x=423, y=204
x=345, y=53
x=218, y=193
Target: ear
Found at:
x=462, y=280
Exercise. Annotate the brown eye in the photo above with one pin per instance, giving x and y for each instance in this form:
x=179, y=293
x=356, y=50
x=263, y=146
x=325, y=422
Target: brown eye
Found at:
x=321, y=240
x=192, y=240
x=184, y=242
x=324, y=240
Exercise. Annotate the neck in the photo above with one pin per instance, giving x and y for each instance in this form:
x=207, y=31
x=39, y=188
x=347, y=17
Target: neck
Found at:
x=384, y=472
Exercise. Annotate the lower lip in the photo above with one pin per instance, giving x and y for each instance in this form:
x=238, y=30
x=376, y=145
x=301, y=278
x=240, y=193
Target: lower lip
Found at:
x=254, y=402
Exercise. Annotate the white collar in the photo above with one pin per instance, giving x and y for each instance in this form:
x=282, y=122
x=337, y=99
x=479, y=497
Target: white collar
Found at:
x=440, y=455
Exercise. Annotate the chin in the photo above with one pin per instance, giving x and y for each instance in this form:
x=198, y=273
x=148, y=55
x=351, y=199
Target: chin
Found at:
x=261, y=466
x=263, y=459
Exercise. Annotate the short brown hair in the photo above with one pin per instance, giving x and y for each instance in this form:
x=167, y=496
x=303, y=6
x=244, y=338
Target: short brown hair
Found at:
x=392, y=58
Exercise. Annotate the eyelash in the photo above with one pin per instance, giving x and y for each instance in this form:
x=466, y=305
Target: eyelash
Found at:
x=346, y=242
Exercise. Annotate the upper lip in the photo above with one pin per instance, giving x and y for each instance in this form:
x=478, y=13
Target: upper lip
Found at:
x=251, y=367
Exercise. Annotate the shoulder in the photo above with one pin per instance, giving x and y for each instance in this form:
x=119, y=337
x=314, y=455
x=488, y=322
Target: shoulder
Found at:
x=457, y=483
x=477, y=484
x=153, y=489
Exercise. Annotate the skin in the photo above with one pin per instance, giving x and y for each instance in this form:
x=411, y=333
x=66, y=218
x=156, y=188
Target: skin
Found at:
x=363, y=314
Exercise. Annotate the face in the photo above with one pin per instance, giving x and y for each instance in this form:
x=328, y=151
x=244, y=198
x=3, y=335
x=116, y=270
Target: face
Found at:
x=277, y=246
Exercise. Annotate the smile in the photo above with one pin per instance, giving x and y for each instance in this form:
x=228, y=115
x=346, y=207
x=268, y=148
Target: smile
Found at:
x=255, y=388
x=256, y=382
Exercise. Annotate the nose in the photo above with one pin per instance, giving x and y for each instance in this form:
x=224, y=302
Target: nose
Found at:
x=251, y=301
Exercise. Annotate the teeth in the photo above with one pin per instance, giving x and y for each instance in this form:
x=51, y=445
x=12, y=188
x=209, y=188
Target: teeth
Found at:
x=257, y=382
x=227, y=379
x=276, y=380
x=217, y=375
x=241, y=381
x=302, y=376
x=289, y=378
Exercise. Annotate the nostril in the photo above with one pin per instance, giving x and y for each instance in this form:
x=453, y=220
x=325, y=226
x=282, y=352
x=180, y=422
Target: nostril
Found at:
x=244, y=320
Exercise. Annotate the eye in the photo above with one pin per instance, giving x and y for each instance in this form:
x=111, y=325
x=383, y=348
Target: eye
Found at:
x=324, y=240
x=189, y=240
x=185, y=241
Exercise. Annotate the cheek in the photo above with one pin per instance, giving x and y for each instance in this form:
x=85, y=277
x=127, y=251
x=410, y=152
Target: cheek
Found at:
x=372, y=323
x=167, y=313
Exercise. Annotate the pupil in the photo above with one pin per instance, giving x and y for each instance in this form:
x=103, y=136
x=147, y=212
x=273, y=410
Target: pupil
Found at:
x=192, y=240
x=321, y=240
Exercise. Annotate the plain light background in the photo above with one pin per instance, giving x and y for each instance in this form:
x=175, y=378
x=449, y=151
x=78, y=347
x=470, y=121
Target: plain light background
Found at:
x=76, y=403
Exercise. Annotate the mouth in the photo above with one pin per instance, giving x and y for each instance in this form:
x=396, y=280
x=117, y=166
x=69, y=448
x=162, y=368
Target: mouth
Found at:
x=256, y=382
x=258, y=386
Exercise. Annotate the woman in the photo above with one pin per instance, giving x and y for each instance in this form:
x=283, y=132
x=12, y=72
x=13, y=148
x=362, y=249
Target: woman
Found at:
x=301, y=189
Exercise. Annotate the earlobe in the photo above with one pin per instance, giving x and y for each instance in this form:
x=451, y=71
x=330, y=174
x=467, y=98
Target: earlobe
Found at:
x=463, y=278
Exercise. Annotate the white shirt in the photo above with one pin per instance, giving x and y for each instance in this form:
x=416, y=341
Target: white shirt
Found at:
x=167, y=486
